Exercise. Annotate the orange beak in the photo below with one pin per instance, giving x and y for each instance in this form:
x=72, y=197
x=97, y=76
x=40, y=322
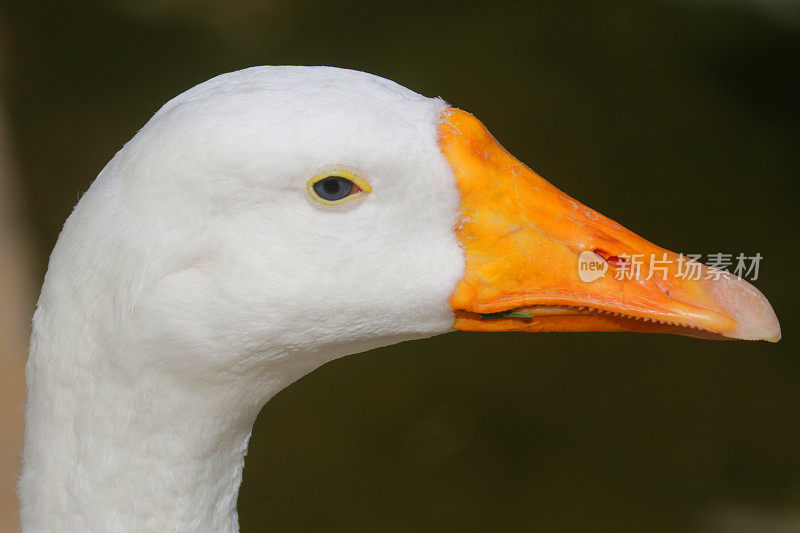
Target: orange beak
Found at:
x=538, y=260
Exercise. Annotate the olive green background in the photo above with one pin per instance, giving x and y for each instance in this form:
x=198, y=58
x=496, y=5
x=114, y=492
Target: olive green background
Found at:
x=680, y=119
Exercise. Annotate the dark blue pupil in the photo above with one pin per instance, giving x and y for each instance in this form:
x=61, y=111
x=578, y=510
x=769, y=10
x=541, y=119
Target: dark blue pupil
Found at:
x=333, y=188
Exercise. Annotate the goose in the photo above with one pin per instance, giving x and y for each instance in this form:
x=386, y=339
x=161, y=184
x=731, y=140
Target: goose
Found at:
x=268, y=221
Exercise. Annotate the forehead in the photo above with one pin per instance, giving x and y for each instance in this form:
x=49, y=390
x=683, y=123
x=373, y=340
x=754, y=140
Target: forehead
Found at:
x=303, y=114
x=302, y=96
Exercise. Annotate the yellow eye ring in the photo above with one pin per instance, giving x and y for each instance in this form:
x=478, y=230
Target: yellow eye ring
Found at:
x=336, y=187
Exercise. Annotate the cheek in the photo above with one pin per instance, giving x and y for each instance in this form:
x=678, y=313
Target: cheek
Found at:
x=406, y=285
x=383, y=282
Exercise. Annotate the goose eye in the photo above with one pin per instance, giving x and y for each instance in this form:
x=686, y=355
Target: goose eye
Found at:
x=335, y=188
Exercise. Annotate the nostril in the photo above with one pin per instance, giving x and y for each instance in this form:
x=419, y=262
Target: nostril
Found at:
x=617, y=262
x=613, y=260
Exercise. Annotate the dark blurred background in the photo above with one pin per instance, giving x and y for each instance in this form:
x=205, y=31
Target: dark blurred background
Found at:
x=678, y=118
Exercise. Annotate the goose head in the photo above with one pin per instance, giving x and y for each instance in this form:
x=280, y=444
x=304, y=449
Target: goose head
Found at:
x=270, y=220
x=321, y=212
x=299, y=214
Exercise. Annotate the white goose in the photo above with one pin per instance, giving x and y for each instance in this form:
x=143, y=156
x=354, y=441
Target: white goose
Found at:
x=273, y=219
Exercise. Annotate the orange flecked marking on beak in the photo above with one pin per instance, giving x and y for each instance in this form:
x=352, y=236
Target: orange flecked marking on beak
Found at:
x=525, y=242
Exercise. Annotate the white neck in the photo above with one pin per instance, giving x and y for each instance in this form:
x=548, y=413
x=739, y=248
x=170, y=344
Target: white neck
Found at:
x=112, y=450
x=196, y=278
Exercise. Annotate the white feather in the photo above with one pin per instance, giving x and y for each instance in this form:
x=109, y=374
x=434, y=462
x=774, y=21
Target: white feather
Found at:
x=196, y=278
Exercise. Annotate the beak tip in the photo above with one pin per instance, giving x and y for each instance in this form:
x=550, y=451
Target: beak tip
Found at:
x=758, y=323
x=755, y=318
x=772, y=333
